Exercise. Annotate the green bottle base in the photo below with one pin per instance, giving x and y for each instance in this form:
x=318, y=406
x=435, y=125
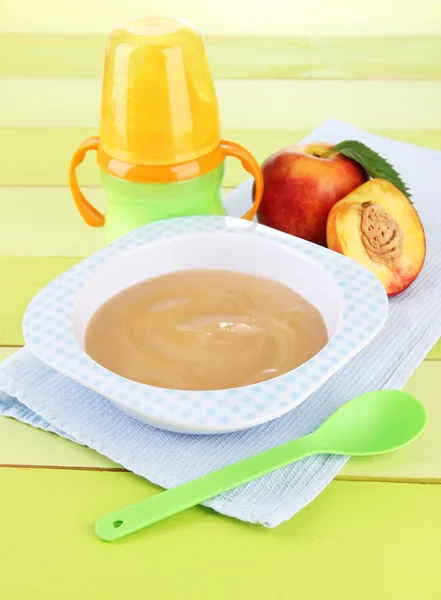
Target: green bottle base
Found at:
x=133, y=204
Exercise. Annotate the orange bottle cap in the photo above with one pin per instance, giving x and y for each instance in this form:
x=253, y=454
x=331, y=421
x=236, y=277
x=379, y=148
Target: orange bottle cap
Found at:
x=159, y=104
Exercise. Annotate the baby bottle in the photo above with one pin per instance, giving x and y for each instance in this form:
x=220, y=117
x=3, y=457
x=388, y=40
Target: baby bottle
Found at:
x=160, y=151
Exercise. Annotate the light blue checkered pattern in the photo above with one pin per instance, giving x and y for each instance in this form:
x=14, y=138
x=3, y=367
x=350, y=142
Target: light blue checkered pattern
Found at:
x=48, y=332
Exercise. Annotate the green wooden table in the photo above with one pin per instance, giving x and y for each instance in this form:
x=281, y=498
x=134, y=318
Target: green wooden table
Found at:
x=375, y=531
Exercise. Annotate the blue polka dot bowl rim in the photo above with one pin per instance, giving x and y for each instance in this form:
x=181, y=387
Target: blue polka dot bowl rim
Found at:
x=350, y=298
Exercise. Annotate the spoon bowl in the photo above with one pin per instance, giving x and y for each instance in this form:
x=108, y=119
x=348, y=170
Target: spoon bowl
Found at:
x=373, y=423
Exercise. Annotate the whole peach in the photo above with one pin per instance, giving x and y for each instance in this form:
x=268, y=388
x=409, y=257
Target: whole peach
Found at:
x=301, y=187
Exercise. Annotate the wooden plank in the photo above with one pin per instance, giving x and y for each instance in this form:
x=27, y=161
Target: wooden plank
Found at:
x=24, y=445
x=22, y=279
x=421, y=461
x=244, y=104
x=241, y=57
x=388, y=531
x=40, y=156
x=45, y=222
x=278, y=17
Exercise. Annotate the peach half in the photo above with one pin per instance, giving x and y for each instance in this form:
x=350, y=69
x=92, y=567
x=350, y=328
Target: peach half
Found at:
x=377, y=226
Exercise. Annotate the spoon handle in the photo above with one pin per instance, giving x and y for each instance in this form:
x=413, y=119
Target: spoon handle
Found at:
x=130, y=519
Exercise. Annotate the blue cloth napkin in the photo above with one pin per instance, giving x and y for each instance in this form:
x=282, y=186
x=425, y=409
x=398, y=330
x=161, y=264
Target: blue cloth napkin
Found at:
x=34, y=394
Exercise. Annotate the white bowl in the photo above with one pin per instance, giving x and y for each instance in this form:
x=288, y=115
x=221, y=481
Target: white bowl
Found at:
x=351, y=300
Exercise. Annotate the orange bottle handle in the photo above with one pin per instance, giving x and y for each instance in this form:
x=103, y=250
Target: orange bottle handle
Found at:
x=250, y=164
x=89, y=213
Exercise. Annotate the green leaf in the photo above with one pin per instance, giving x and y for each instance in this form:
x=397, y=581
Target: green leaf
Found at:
x=375, y=165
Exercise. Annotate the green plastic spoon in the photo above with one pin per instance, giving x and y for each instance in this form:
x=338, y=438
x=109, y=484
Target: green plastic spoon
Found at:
x=373, y=423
